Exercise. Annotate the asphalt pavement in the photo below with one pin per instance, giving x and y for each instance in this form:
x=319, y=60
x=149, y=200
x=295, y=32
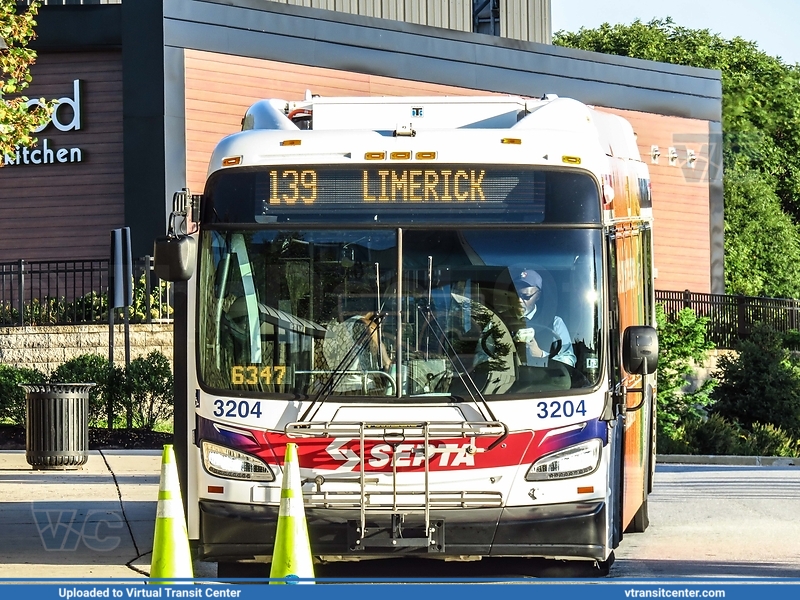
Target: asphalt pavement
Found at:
x=98, y=521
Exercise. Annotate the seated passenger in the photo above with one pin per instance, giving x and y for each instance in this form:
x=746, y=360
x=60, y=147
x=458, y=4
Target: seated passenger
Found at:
x=370, y=360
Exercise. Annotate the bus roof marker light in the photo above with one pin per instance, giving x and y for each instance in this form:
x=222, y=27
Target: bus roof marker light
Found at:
x=425, y=155
x=400, y=156
x=231, y=161
x=291, y=142
x=516, y=141
x=571, y=160
x=375, y=156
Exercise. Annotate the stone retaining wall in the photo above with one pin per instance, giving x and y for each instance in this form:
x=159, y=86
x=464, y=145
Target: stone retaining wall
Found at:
x=45, y=348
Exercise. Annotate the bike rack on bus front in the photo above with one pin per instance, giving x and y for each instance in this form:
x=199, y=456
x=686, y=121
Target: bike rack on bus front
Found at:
x=393, y=434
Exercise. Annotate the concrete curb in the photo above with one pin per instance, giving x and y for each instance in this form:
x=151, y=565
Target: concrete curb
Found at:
x=751, y=461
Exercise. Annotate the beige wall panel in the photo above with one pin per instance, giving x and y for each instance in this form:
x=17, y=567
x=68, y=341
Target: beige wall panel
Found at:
x=391, y=9
x=65, y=211
x=449, y=14
x=526, y=20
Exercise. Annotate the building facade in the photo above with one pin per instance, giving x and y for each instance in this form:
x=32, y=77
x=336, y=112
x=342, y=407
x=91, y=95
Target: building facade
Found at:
x=147, y=88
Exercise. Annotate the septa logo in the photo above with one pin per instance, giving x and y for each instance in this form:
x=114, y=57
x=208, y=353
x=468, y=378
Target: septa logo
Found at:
x=407, y=455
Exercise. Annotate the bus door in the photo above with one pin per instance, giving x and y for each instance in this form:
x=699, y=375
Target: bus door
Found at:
x=631, y=303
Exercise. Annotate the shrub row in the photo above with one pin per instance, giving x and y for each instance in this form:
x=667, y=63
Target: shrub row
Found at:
x=751, y=404
x=140, y=396
x=718, y=436
x=90, y=308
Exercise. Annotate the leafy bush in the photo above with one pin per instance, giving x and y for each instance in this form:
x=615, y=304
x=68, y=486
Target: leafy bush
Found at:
x=716, y=436
x=675, y=443
x=144, y=393
x=8, y=314
x=92, y=368
x=761, y=384
x=159, y=301
x=90, y=308
x=12, y=397
x=682, y=345
x=150, y=385
x=768, y=440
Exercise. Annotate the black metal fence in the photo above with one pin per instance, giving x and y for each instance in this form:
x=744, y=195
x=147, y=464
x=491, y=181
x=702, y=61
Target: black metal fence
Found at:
x=732, y=317
x=75, y=292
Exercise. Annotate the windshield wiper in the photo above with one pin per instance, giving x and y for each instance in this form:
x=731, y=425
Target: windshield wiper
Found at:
x=342, y=368
x=451, y=354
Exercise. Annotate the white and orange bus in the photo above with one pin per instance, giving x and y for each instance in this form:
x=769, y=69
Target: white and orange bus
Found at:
x=447, y=303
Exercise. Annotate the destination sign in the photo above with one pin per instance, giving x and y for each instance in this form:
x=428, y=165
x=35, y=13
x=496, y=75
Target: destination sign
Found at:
x=400, y=191
x=298, y=186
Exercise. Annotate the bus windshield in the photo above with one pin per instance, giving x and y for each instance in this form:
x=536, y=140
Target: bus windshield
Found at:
x=402, y=313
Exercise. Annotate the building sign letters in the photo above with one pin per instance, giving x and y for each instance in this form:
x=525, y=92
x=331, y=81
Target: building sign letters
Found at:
x=45, y=153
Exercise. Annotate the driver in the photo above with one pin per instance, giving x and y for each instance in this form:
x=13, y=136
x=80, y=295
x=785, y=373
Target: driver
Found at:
x=539, y=331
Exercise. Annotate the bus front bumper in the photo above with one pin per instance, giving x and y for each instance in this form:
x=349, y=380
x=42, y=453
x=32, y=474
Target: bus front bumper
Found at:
x=231, y=532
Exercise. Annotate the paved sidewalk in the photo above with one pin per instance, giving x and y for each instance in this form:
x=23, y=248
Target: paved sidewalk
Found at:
x=79, y=523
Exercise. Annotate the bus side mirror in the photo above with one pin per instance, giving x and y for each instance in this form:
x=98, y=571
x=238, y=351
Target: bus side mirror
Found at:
x=640, y=349
x=174, y=257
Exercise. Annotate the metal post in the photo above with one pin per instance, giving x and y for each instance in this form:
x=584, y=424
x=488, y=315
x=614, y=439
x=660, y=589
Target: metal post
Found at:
x=687, y=299
x=21, y=292
x=147, y=267
x=180, y=359
x=111, y=380
x=741, y=317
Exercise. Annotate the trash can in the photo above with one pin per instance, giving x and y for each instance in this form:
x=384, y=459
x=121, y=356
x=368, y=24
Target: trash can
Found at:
x=57, y=425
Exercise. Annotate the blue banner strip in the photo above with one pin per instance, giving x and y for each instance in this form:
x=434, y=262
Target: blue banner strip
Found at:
x=512, y=589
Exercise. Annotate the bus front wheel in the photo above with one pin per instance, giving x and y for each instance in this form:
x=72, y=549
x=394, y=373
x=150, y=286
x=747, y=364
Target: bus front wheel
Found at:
x=641, y=520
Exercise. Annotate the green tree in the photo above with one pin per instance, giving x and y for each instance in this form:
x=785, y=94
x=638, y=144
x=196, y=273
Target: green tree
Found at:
x=761, y=145
x=16, y=121
x=150, y=388
x=682, y=344
x=760, y=384
x=762, y=246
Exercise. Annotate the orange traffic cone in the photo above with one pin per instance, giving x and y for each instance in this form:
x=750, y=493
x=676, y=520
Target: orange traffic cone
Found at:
x=171, y=554
x=291, y=558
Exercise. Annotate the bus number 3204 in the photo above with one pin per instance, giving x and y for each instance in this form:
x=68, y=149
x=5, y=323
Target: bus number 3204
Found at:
x=556, y=409
x=232, y=408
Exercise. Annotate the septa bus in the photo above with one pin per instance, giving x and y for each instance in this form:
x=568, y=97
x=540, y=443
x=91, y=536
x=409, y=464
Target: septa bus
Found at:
x=447, y=303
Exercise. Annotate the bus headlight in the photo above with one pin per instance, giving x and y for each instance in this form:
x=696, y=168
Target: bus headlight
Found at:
x=574, y=461
x=226, y=462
